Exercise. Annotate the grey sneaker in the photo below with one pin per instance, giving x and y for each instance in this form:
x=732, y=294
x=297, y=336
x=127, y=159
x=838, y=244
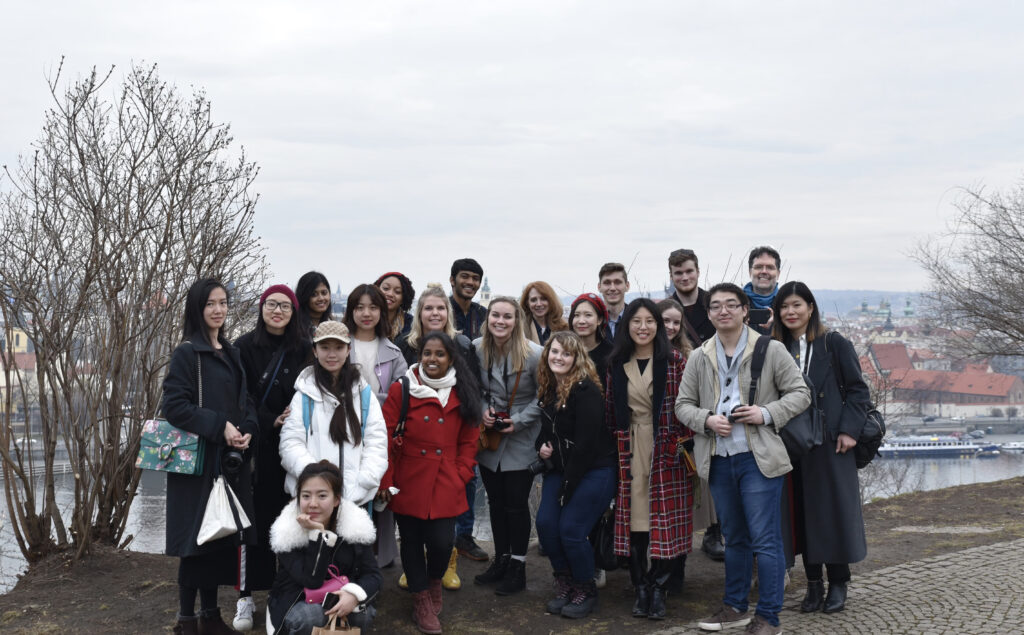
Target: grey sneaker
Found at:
x=728, y=617
x=760, y=626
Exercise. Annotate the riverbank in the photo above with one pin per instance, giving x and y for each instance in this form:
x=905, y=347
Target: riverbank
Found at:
x=130, y=592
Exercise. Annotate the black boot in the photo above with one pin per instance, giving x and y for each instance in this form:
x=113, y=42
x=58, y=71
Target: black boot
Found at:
x=514, y=580
x=583, y=602
x=814, y=598
x=661, y=571
x=835, y=601
x=638, y=576
x=712, y=543
x=211, y=623
x=187, y=626
x=563, y=592
x=495, y=572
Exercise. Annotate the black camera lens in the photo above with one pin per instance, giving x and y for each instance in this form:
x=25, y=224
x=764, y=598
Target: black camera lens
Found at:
x=232, y=461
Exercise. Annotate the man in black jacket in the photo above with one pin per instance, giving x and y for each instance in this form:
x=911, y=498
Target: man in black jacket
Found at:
x=684, y=270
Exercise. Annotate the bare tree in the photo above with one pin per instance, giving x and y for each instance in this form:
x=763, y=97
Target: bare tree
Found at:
x=975, y=267
x=128, y=196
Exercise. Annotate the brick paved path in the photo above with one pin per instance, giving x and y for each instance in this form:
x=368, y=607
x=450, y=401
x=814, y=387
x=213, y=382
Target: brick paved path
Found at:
x=977, y=590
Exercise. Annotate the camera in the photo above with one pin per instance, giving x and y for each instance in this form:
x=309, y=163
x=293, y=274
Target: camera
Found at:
x=732, y=417
x=232, y=461
x=501, y=421
x=540, y=466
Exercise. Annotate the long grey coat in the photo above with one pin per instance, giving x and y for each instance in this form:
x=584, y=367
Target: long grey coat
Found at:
x=517, y=449
x=829, y=524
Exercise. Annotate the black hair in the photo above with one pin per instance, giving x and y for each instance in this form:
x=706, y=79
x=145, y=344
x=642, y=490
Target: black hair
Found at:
x=728, y=287
x=814, y=326
x=467, y=264
x=195, y=303
x=408, y=292
x=342, y=391
x=466, y=385
x=294, y=336
x=624, y=346
x=602, y=324
x=383, y=328
x=304, y=290
x=760, y=251
x=334, y=478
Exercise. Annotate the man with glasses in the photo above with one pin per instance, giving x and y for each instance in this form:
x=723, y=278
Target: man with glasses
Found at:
x=738, y=449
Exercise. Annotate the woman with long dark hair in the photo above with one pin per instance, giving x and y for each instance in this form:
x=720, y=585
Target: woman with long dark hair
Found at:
x=829, y=526
x=335, y=415
x=588, y=317
x=399, y=294
x=314, y=295
x=432, y=456
x=655, y=496
x=579, y=476
x=543, y=310
x=508, y=369
x=205, y=393
x=272, y=355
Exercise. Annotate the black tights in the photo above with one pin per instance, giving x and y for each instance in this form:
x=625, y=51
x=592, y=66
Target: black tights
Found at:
x=436, y=536
x=508, y=497
x=187, y=600
x=836, y=572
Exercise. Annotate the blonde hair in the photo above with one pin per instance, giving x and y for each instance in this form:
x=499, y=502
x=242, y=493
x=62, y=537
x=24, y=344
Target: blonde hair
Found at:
x=554, y=317
x=583, y=368
x=433, y=290
x=517, y=348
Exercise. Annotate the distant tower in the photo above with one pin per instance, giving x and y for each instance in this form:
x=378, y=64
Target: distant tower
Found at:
x=485, y=293
x=908, y=310
x=864, y=306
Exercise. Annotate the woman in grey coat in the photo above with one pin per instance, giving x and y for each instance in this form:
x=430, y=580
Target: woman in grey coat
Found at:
x=511, y=418
x=829, y=526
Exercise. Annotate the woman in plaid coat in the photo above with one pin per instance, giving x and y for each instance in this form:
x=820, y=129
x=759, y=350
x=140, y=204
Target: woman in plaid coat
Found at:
x=654, y=503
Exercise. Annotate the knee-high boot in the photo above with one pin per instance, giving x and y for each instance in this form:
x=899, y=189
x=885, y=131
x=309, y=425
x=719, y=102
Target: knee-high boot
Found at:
x=661, y=571
x=638, y=576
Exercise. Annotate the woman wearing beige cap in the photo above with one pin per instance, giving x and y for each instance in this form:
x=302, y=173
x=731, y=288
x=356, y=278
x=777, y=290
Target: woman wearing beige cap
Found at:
x=334, y=415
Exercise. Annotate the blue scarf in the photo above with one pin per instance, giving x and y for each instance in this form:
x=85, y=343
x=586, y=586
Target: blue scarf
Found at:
x=760, y=301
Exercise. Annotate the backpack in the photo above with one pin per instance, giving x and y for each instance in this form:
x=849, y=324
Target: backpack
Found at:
x=873, y=433
x=805, y=431
x=364, y=402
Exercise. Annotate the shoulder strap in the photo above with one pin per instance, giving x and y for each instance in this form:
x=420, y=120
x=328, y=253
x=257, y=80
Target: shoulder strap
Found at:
x=268, y=377
x=403, y=413
x=307, y=412
x=756, y=364
x=364, y=403
x=836, y=366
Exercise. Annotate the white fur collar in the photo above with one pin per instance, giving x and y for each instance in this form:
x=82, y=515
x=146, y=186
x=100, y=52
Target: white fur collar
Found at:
x=353, y=525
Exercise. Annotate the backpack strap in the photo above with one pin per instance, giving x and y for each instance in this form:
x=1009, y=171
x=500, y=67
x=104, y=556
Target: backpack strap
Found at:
x=403, y=414
x=307, y=412
x=364, y=403
x=757, y=364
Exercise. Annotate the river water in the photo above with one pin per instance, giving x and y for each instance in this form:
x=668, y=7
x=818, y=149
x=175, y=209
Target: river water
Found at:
x=146, y=519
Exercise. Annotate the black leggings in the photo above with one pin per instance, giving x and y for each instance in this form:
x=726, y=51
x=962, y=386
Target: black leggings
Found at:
x=508, y=497
x=436, y=535
x=187, y=600
x=836, y=572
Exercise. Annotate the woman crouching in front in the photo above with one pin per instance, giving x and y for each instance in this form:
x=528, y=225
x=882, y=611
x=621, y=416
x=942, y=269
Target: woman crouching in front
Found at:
x=578, y=456
x=307, y=552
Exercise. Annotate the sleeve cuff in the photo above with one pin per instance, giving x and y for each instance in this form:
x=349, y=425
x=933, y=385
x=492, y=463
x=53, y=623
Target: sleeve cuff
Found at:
x=767, y=416
x=355, y=590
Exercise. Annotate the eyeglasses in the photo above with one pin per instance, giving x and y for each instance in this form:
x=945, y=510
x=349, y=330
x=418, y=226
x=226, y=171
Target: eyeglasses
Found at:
x=273, y=305
x=725, y=306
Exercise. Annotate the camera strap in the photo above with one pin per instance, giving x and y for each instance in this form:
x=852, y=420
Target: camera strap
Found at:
x=504, y=381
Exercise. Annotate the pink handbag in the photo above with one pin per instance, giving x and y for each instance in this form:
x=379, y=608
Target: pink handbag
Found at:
x=333, y=583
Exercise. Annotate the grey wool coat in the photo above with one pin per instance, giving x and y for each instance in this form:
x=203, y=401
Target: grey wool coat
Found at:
x=517, y=449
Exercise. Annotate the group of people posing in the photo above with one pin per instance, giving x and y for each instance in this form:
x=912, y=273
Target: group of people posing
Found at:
x=388, y=416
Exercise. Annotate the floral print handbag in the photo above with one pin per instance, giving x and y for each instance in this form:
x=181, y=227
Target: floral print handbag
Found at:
x=165, y=448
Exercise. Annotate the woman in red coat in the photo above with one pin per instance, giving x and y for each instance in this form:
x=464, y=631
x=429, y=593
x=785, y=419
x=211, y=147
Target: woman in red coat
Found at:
x=431, y=458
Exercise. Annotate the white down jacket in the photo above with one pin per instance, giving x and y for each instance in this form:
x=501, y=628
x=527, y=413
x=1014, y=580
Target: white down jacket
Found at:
x=365, y=463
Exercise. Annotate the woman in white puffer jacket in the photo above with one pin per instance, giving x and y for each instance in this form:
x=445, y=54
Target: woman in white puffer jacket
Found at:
x=343, y=424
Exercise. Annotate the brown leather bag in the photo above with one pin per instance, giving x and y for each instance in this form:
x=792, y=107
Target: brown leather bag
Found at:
x=490, y=438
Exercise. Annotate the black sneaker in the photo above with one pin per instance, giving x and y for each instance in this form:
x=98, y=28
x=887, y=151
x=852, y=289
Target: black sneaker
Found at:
x=468, y=548
x=495, y=572
x=514, y=580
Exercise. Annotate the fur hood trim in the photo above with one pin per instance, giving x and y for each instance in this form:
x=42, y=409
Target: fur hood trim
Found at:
x=353, y=526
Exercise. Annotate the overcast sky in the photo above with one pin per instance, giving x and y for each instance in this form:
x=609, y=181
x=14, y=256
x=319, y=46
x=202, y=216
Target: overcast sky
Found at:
x=545, y=138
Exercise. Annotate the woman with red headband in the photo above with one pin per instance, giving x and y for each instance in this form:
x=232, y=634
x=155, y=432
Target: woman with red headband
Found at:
x=588, y=317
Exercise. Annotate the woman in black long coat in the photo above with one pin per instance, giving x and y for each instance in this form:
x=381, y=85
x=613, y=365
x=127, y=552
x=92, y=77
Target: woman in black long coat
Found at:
x=829, y=526
x=226, y=421
x=272, y=355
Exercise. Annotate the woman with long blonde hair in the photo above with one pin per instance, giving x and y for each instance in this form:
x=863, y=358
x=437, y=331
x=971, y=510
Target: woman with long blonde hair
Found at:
x=508, y=370
x=578, y=457
x=544, y=310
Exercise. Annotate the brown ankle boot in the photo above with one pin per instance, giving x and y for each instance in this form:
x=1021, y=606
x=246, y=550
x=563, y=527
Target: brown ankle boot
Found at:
x=210, y=623
x=434, y=589
x=423, y=613
x=187, y=626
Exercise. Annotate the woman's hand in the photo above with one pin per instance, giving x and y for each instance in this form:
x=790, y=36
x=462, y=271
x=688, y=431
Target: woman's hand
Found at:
x=545, y=451
x=509, y=428
x=384, y=495
x=346, y=604
x=308, y=523
x=488, y=417
x=234, y=438
x=844, y=442
x=284, y=415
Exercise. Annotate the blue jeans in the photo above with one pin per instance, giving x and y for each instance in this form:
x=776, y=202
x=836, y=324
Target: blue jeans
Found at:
x=301, y=618
x=464, y=521
x=563, y=531
x=747, y=504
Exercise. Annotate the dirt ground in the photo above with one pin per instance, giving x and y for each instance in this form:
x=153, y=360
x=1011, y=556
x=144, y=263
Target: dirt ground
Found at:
x=127, y=592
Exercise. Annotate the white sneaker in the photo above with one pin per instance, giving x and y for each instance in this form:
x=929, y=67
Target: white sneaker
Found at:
x=600, y=578
x=243, y=614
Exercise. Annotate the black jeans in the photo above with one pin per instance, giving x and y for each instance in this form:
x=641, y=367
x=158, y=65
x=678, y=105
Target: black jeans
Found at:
x=508, y=497
x=437, y=536
x=836, y=572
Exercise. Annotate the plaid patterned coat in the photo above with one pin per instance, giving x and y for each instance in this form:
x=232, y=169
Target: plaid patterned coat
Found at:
x=671, y=493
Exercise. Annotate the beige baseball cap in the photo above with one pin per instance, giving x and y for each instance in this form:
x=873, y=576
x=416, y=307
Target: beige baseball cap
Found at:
x=331, y=330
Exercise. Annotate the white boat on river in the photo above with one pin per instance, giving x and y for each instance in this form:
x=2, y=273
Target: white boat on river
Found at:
x=932, y=447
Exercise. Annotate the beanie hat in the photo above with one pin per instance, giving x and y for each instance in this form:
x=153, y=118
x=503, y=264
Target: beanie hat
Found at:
x=594, y=299
x=282, y=289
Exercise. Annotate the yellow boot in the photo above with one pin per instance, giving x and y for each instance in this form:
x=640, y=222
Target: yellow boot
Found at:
x=403, y=583
x=450, y=580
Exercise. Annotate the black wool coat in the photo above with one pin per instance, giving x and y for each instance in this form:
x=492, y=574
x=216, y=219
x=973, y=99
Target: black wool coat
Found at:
x=225, y=398
x=829, y=524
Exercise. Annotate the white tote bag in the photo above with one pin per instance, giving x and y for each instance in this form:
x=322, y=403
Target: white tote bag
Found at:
x=219, y=517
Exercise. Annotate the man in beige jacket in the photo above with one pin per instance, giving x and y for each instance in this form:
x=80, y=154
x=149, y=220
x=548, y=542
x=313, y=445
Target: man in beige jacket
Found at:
x=738, y=449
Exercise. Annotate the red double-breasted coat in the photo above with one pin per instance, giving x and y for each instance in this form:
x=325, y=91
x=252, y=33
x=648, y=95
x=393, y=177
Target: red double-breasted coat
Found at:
x=435, y=459
x=671, y=487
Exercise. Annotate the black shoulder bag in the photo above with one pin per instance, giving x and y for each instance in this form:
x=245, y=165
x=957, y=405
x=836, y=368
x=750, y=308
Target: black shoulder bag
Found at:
x=805, y=431
x=873, y=432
